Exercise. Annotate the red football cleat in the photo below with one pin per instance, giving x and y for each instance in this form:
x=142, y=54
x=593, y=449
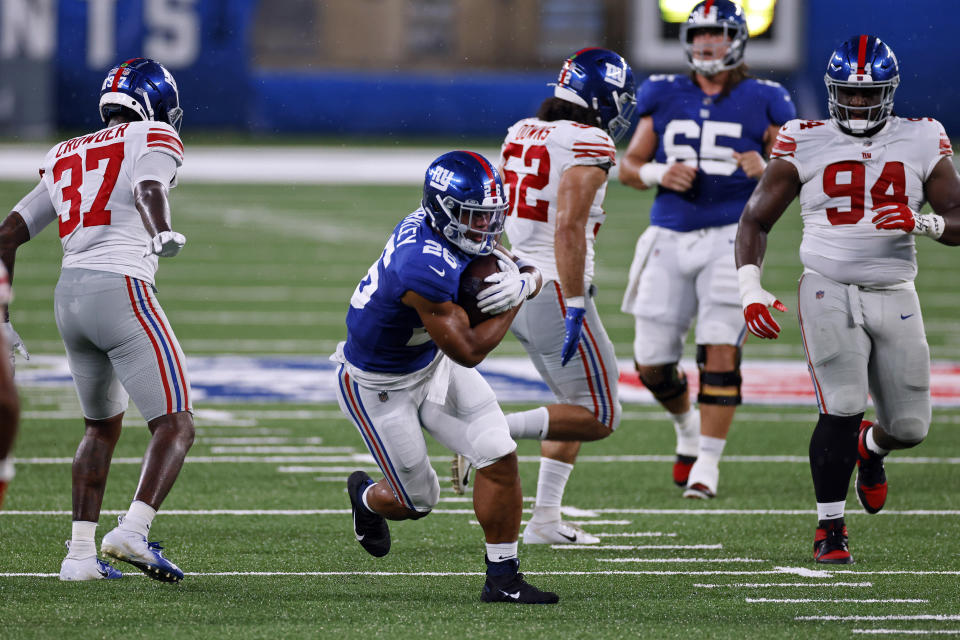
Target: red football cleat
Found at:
x=830, y=543
x=681, y=469
x=871, y=478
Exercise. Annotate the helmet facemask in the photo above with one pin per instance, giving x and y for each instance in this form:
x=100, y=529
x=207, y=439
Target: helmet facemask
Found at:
x=724, y=54
x=474, y=227
x=860, y=120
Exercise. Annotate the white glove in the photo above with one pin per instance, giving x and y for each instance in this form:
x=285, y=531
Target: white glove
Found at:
x=165, y=244
x=509, y=288
x=15, y=343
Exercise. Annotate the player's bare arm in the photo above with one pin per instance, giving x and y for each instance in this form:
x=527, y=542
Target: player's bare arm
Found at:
x=576, y=192
x=638, y=169
x=777, y=188
x=151, y=200
x=942, y=190
x=449, y=327
x=13, y=233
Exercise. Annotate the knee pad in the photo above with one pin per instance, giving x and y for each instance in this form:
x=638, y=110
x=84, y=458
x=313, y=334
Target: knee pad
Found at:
x=668, y=383
x=718, y=387
x=909, y=431
x=489, y=444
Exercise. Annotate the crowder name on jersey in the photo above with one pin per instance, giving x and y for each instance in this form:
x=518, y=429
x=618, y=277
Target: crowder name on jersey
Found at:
x=383, y=334
x=703, y=132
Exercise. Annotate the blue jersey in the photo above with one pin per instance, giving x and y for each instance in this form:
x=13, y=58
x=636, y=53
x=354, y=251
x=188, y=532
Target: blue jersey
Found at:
x=383, y=334
x=703, y=131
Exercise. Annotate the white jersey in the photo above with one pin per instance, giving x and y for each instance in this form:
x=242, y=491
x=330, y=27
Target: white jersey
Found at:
x=844, y=178
x=90, y=181
x=534, y=155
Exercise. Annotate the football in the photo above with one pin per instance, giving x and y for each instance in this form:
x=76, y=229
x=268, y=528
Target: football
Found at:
x=471, y=283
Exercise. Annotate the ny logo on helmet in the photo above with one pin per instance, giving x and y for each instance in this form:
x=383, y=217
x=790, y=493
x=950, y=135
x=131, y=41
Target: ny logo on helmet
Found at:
x=440, y=178
x=615, y=75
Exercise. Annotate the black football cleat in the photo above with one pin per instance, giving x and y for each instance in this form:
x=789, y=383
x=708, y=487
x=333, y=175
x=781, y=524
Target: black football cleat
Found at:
x=871, y=478
x=511, y=587
x=370, y=528
x=830, y=543
x=681, y=469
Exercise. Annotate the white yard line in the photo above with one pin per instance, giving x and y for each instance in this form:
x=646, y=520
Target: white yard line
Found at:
x=765, y=585
x=939, y=617
x=908, y=632
x=835, y=600
x=679, y=560
x=630, y=547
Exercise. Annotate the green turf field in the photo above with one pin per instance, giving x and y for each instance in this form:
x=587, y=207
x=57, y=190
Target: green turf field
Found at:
x=264, y=534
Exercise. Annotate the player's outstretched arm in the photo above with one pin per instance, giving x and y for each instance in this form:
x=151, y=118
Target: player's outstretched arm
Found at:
x=449, y=327
x=151, y=200
x=777, y=188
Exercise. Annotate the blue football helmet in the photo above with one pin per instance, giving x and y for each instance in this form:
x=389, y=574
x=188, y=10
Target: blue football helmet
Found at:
x=145, y=87
x=601, y=80
x=862, y=63
x=724, y=17
x=464, y=198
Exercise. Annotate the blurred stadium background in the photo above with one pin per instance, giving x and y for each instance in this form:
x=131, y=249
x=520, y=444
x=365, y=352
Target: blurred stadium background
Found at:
x=414, y=68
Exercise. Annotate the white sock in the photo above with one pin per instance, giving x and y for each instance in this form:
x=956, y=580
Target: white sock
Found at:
x=687, y=426
x=551, y=483
x=82, y=543
x=529, y=425
x=501, y=551
x=711, y=448
x=138, y=518
x=830, y=510
x=363, y=498
x=872, y=444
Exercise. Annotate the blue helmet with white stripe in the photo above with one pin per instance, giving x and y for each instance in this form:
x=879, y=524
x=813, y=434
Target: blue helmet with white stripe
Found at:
x=145, y=87
x=464, y=199
x=862, y=76
x=601, y=80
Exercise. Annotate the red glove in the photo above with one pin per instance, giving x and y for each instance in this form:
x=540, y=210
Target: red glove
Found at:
x=899, y=217
x=759, y=321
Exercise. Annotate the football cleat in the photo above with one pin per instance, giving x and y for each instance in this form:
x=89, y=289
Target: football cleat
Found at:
x=369, y=528
x=703, y=480
x=460, y=474
x=556, y=532
x=830, y=543
x=133, y=548
x=699, y=491
x=89, y=568
x=512, y=587
x=871, y=477
x=681, y=469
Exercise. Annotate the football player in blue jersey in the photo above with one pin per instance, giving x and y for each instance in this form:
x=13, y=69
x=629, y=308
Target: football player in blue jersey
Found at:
x=407, y=367
x=700, y=141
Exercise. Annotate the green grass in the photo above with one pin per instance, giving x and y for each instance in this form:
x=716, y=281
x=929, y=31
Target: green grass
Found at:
x=269, y=269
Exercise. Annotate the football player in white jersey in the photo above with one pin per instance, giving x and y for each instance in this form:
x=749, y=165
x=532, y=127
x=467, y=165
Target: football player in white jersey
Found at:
x=107, y=191
x=862, y=177
x=699, y=142
x=555, y=166
x=9, y=401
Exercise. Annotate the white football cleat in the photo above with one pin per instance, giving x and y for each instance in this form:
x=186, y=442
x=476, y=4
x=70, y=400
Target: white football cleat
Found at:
x=88, y=568
x=703, y=480
x=556, y=532
x=131, y=547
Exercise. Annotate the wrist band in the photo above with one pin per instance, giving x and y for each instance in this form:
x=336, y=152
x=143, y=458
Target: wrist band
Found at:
x=652, y=173
x=575, y=301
